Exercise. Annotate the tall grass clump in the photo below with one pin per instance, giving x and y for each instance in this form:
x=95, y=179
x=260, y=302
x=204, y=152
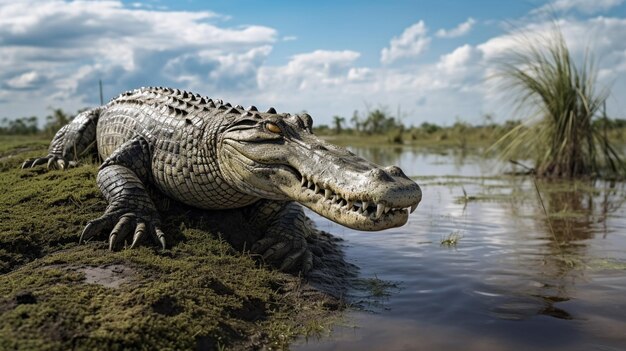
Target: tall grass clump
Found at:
x=561, y=101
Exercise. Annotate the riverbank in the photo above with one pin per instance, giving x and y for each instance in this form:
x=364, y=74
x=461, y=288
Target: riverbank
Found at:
x=459, y=136
x=201, y=293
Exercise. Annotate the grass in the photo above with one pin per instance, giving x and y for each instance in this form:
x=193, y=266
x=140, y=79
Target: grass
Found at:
x=377, y=288
x=562, y=101
x=201, y=293
x=471, y=138
x=452, y=239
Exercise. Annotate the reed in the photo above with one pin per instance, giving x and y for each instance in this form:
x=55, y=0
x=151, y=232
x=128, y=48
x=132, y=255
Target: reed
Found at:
x=560, y=101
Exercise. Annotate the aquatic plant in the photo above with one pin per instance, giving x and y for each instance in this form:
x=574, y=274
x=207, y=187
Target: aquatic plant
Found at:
x=562, y=100
x=452, y=239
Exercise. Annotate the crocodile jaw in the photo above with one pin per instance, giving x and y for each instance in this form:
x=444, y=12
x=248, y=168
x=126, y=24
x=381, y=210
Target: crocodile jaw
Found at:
x=352, y=213
x=377, y=206
x=365, y=211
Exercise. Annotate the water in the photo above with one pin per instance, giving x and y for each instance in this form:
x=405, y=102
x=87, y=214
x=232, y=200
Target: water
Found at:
x=510, y=282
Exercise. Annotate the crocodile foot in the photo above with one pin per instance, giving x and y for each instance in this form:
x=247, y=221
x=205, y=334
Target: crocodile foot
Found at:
x=120, y=224
x=52, y=161
x=289, y=252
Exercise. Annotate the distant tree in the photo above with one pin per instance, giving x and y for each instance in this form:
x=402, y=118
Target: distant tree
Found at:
x=356, y=121
x=379, y=121
x=20, y=126
x=609, y=123
x=322, y=129
x=429, y=128
x=56, y=120
x=375, y=121
x=337, y=122
x=489, y=122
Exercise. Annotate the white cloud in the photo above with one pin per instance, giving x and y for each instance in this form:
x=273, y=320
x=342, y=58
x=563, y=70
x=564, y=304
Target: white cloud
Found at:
x=359, y=73
x=309, y=71
x=26, y=80
x=601, y=37
x=583, y=6
x=457, y=60
x=327, y=83
x=411, y=43
x=460, y=30
x=71, y=45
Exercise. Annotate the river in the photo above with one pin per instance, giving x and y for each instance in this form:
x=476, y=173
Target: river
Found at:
x=487, y=262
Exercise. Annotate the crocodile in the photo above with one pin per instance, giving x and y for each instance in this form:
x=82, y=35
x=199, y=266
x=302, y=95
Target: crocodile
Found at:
x=212, y=155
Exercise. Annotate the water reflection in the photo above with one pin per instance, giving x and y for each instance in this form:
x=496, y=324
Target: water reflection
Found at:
x=416, y=162
x=570, y=214
x=562, y=221
x=380, y=155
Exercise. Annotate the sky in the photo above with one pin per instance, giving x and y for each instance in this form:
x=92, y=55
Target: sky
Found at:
x=426, y=61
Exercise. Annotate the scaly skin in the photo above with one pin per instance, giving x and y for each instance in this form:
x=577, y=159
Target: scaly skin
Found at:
x=211, y=155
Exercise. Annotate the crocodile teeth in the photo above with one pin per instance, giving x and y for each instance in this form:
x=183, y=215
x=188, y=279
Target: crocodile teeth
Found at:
x=372, y=210
x=380, y=208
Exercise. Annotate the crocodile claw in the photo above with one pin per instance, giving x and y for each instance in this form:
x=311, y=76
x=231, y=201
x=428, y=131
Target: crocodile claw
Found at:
x=120, y=228
x=52, y=162
x=160, y=236
x=304, y=257
x=140, y=231
x=288, y=253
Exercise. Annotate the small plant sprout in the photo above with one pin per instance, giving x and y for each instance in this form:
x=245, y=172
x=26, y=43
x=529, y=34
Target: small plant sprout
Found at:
x=452, y=239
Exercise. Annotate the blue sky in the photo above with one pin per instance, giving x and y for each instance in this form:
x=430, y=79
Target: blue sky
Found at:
x=363, y=26
x=430, y=59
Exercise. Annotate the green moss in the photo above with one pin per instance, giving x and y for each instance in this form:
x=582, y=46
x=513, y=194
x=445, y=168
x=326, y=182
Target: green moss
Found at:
x=201, y=293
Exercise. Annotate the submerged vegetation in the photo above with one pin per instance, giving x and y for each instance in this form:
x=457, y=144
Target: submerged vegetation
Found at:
x=564, y=103
x=452, y=239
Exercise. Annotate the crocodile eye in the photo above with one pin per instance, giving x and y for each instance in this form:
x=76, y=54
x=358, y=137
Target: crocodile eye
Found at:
x=273, y=128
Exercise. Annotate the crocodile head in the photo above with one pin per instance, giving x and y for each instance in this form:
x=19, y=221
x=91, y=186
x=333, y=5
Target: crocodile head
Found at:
x=277, y=156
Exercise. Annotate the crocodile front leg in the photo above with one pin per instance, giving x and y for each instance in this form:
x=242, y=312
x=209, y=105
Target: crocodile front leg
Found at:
x=286, y=231
x=70, y=142
x=122, y=178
